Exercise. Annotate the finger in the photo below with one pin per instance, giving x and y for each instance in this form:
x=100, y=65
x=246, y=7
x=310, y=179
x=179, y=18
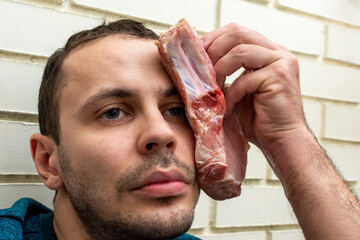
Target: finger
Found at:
x=250, y=57
x=224, y=43
x=237, y=34
x=210, y=37
x=247, y=84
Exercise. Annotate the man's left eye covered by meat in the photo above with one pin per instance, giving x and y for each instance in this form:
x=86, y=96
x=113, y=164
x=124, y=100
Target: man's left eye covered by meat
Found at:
x=220, y=172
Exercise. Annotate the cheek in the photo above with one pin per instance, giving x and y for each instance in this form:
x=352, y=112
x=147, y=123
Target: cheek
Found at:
x=105, y=156
x=113, y=155
x=186, y=144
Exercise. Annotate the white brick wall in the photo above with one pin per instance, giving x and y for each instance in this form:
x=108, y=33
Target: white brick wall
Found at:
x=287, y=235
x=289, y=30
x=257, y=165
x=38, y=30
x=347, y=11
x=323, y=34
x=19, y=89
x=347, y=158
x=11, y=192
x=343, y=44
x=323, y=80
x=163, y=11
x=313, y=111
x=15, y=154
x=342, y=123
x=258, y=206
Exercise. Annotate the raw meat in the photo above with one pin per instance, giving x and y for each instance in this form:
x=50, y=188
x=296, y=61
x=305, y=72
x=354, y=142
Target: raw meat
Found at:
x=220, y=174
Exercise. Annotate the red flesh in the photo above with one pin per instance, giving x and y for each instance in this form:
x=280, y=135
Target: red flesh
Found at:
x=220, y=175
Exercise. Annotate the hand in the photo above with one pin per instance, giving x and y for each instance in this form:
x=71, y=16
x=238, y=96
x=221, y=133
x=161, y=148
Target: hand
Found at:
x=266, y=96
x=266, y=100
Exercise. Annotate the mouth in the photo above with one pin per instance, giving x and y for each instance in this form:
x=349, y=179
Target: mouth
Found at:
x=162, y=183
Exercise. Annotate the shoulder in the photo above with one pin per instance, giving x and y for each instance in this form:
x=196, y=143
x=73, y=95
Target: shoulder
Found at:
x=187, y=237
x=24, y=216
x=24, y=208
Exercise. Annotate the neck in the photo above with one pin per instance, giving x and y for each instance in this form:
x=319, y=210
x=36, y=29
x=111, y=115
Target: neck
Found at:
x=67, y=224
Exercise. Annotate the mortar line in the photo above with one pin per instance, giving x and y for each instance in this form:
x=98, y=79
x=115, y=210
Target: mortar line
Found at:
x=324, y=42
x=22, y=57
x=218, y=14
x=18, y=117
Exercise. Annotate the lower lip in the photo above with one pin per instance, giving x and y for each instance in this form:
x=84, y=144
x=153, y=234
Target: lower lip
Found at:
x=163, y=189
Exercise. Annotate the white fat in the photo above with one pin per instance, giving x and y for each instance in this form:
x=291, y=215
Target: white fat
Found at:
x=202, y=153
x=188, y=69
x=206, y=156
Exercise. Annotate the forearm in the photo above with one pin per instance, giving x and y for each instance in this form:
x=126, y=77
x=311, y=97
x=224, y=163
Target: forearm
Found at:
x=323, y=204
x=267, y=99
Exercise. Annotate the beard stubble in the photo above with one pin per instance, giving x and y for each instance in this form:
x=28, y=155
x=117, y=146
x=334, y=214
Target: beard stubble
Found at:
x=84, y=192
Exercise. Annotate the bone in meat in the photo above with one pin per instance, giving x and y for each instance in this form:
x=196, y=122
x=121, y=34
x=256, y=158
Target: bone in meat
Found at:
x=220, y=174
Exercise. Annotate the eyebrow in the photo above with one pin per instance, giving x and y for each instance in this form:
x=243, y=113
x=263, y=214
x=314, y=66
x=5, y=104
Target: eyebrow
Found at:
x=167, y=93
x=123, y=93
x=108, y=93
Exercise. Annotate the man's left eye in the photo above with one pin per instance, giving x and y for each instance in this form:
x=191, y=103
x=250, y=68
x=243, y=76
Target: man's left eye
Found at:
x=113, y=114
x=175, y=112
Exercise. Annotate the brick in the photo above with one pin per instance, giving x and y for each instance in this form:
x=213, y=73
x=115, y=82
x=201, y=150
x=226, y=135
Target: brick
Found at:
x=15, y=154
x=257, y=164
x=346, y=158
x=342, y=123
x=37, y=30
x=200, y=13
x=257, y=206
x=202, y=212
x=339, y=10
x=20, y=83
x=342, y=83
x=287, y=29
x=312, y=111
x=12, y=192
x=287, y=234
x=236, y=236
x=343, y=44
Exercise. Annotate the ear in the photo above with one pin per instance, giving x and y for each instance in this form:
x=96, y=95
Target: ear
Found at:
x=45, y=155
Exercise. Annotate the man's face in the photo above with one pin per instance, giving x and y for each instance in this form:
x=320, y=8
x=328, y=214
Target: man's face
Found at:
x=127, y=151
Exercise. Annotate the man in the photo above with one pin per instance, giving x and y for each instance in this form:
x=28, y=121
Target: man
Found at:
x=117, y=148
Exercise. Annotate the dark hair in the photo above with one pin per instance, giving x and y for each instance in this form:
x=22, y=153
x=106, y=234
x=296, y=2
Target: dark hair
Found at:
x=52, y=80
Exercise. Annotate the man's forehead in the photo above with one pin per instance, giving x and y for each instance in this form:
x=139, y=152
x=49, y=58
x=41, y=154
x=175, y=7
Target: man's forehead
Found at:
x=110, y=53
x=113, y=62
x=111, y=46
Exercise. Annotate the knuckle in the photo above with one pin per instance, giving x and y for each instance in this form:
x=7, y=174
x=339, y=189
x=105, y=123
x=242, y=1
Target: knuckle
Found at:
x=213, y=54
x=240, y=49
x=238, y=29
x=293, y=61
x=287, y=68
x=234, y=26
x=292, y=64
x=211, y=50
x=281, y=71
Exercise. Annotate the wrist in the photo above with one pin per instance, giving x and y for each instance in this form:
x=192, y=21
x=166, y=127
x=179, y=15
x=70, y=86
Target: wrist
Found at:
x=295, y=152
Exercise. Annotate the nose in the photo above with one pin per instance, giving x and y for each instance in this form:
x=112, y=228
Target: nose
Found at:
x=155, y=134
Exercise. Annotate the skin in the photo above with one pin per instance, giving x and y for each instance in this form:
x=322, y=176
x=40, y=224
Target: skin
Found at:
x=266, y=98
x=104, y=149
